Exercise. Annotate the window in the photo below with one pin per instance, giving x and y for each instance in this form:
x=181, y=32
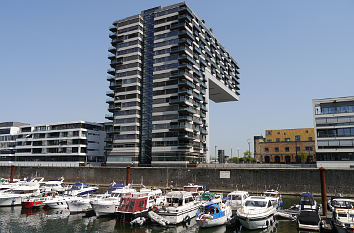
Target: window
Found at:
x=297, y=148
x=307, y=131
x=310, y=139
x=269, y=140
x=278, y=132
x=308, y=148
x=287, y=149
x=287, y=139
x=277, y=140
x=297, y=138
x=266, y=149
x=276, y=149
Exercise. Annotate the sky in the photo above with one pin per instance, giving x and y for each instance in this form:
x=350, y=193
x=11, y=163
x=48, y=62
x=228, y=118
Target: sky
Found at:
x=53, y=60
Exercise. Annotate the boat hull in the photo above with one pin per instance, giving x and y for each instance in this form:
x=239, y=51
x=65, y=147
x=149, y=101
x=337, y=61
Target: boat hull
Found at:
x=77, y=206
x=257, y=223
x=59, y=204
x=10, y=201
x=180, y=216
x=212, y=222
x=32, y=204
x=104, y=209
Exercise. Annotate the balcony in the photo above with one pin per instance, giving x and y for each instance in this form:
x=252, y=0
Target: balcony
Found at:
x=185, y=91
x=185, y=16
x=112, y=35
x=110, y=93
x=109, y=100
x=109, y=116
x=111, y=71
x=203, y=107
x=110, y=78
x=186, y=83
x=185, y=66
x=198, y=50
x=186, y=58
x=112, y=108
x=177, y=25
x=187, y=109
x=112, y=49
x=185, y=118
x=197, y=96
x=186, y=33
x=197, y=121
x=111, y=56
x=112, y=28
x=197, y=72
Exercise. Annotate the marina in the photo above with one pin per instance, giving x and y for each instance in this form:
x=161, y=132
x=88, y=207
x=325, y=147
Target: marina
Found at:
x=136, y=208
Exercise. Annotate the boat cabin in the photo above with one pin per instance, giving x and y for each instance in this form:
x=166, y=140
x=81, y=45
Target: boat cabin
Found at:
x=207, y=196
x=343, y=203
x=178, y=198
x=258, y=202
x=196, y=190
x=133, y=203
x=238, y=195
x=211, y=209
x=307, y=201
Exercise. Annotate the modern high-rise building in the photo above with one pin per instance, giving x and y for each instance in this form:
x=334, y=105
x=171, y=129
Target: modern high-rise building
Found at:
x=334, y=130
x=165, y=67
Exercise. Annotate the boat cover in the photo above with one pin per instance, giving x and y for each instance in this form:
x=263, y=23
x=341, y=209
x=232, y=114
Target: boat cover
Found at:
x=309, y=218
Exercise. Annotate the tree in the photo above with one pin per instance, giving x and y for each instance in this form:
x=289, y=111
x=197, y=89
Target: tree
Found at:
x=303, y=157
x=234, y=160
x=247, y=153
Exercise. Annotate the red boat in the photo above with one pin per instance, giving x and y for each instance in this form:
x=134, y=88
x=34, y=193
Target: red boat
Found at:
x=133, y=205
x=36, y=202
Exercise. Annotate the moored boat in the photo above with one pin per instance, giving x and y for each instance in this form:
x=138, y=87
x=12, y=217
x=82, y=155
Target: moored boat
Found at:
x=213, y=214
x=180, y=206
x=237, y=199
x=256, y=213
x=343, y=215
x=275, y=196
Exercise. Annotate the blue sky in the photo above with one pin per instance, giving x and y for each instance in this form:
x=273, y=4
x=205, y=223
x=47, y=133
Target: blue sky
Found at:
x=53, y=60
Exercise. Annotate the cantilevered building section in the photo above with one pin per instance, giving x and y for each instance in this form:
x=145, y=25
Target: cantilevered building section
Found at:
x=165, y=66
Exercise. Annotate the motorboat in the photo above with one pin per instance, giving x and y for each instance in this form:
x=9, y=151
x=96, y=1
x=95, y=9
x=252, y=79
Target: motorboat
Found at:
x=180, y=206
x=307, y=202
x=23, y=189
x=80, y=189
x=133, y=205
x=237, y=199
x=108, y=205
x=79, y=204
x=257, y=213
x=309, y=220
x=330, y=206
x=275, y=197
x=58, y=202
x=196, y=190
x=213, y=214
x=343, y=215
x=37, y=202
x=56, y=185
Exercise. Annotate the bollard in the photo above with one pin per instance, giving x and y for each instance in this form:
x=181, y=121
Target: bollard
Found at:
x=323, y=190
x=12, y=173
x=128, y=175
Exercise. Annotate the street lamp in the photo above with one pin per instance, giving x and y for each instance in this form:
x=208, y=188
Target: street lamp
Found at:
x=249, y=147
x=215, y=153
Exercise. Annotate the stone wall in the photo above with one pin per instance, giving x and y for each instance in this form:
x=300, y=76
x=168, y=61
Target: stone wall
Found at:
x=287, y=180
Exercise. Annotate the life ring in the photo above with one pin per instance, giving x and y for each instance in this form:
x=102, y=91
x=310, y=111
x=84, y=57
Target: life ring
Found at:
x=154, y=209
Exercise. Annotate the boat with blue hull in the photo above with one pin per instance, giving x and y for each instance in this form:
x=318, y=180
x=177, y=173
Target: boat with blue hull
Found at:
x=213, y=214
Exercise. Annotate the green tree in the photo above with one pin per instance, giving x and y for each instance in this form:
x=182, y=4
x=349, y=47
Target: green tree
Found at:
x=234, y=160
x=247, y=153
x=303, y=157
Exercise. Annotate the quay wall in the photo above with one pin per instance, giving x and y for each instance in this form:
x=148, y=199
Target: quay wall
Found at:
x=256, y=180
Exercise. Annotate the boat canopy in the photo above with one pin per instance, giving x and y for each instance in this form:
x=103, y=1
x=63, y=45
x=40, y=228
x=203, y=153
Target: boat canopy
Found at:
x=81, y=184
x=116, y=186
x=208, y=196
x=309, y=195
x=178, y=194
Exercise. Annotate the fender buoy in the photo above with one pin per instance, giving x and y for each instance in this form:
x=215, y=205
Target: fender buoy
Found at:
x=154, y=209
x=187, y=219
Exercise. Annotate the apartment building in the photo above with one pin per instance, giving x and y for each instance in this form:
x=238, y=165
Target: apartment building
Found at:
x=8, y=136
x=334, y=130
x=69, y=141
x=286, y=146
x=165, y=67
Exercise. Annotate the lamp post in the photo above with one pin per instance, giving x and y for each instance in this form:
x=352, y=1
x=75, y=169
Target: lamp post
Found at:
x=249, y=147
x=215, y=153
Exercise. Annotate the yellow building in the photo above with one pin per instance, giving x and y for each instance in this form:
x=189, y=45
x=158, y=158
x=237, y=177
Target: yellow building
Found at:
x=286, y=146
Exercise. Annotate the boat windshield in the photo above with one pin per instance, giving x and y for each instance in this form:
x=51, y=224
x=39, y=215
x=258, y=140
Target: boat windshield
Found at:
x=343, y=204
x=305, y=200
x=253, y=203
x=191, y=189
x=270, y=194
x=174, y=202
x=236, y=197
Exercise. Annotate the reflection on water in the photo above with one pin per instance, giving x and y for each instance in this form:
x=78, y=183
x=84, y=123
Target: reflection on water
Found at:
x=14, y=219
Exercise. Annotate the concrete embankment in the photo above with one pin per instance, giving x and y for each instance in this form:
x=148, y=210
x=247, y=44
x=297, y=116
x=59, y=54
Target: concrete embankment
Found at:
x=288, y=180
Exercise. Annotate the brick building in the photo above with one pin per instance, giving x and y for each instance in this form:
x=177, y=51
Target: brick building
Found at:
x=285, y=146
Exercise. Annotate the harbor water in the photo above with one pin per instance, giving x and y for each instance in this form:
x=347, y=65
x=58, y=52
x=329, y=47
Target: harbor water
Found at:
x=16, y=219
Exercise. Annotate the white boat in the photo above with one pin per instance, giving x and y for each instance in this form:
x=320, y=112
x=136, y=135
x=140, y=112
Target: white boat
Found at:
x=343, y=215
x=23, y=189
x=257, y=213
x=54, y=186
x=196, y=190
x=79, y=204
x=275, y=197
x=180, y=206
x=213, y=214
x=58, y=202
x=109, y=205
x=237, y=199
x=80, y=189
